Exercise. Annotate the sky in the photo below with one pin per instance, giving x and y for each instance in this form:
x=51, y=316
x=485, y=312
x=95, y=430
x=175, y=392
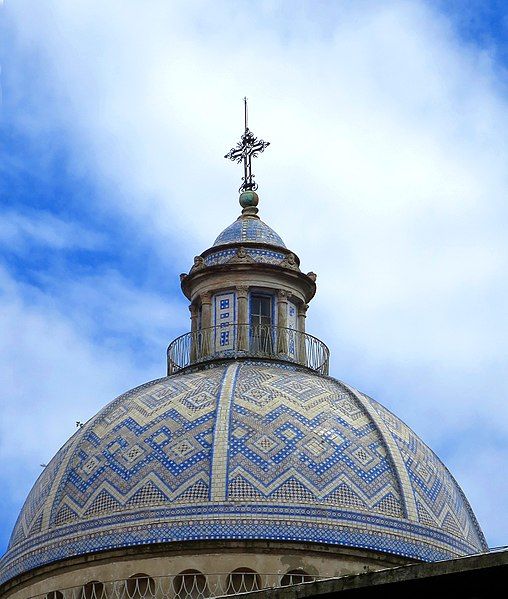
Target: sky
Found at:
x=386, y=174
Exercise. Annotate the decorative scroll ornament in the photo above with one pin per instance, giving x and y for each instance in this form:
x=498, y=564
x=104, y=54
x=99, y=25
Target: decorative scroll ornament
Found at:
x=247, y=148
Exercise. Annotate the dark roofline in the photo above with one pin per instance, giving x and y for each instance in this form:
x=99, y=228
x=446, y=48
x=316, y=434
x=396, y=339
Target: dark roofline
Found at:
x=473, y=576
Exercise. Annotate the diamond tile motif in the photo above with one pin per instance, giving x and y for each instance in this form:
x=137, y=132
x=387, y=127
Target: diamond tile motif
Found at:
x=362, y=456
x=293, y=455
x=183, y=448
x=132, y=454
x=90, y=465
x=265, y=444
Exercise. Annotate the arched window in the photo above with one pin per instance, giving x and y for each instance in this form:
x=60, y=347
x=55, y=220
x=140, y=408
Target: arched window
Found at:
x=54, y=595
x=295, y=577
x=243, y=580
x=93, y=590
x=190, y=584
x=140, y=586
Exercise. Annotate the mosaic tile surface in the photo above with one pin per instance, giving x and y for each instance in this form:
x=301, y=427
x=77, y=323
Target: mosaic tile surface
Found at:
x=264, y=256
x=243, y=451
x=249, y=229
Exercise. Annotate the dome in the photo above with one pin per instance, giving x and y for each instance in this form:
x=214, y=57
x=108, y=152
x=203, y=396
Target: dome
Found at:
x=243, y=450
x=249, y=229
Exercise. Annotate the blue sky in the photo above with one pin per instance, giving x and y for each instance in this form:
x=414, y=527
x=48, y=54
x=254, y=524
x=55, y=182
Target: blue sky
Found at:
x=386, y=174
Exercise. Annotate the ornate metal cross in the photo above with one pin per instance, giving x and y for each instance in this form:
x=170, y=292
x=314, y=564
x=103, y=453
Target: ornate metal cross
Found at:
x=247, y=148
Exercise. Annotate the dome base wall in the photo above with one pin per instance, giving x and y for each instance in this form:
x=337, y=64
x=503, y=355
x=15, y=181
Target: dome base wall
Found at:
x=217, y=559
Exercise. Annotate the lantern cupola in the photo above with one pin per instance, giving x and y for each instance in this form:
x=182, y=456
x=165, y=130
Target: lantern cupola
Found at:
x=248, y=296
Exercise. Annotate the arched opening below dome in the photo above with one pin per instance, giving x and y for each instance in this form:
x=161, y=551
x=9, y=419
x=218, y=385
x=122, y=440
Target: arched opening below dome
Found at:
x=93, y=590
x=191, y=584
x=243, y=580
x=140, y=586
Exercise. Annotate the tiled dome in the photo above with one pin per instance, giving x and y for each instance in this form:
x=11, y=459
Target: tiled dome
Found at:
x=243, y=451
x=247, y=229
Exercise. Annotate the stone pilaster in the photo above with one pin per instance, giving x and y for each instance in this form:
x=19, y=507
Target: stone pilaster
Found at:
x=206, y=310
x=242, y=294
x=282, y=321
x=302, y=315
x=194, y=313
x=206, y=323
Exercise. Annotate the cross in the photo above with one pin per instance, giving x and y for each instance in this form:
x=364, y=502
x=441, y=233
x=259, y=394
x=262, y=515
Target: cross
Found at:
x=247, y=148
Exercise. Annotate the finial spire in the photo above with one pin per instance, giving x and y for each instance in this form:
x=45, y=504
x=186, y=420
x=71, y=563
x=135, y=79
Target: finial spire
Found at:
x=247, y=148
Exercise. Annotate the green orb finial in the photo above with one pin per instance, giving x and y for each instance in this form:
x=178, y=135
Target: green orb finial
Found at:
x=248, y=198
x=248, y=201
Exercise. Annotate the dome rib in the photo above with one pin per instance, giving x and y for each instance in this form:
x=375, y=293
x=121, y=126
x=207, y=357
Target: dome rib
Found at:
x=406, y=490
x=221, y=434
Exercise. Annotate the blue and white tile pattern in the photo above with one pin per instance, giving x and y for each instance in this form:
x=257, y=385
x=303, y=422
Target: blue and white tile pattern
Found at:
x=249, y=229
x=294, y=456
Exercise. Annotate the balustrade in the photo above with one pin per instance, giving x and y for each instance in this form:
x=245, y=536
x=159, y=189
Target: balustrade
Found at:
x=189, y=584
x=244, y=340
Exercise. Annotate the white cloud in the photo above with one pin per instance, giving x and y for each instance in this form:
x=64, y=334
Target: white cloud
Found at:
x=386, y=173
x=60, y=362
x=107, y=304
x=20, y=231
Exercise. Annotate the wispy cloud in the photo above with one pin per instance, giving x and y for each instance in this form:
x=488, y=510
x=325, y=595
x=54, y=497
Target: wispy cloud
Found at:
x=18, y=232
x=64, y=353
x=386, y=174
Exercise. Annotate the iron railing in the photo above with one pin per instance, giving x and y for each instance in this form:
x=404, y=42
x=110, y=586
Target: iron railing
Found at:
x=189, y=584
x=245, y=340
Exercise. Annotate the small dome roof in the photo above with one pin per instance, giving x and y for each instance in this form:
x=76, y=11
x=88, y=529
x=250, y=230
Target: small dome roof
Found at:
x=249, y=229
x=243, y=450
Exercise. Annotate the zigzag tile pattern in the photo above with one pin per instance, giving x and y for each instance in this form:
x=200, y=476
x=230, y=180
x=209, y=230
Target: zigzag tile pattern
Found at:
x=302, y=457
x=302, y=439
x=30, y=518
x=147, y=448
x=440, y=501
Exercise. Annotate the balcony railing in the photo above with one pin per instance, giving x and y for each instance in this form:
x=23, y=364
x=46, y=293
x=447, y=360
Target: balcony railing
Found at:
x=244, y=341
x=189, y=584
